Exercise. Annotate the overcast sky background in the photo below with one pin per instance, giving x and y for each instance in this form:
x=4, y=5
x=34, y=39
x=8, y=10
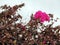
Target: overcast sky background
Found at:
x=31, y=6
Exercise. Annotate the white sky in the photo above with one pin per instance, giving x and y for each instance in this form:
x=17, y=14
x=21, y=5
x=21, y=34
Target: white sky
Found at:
x=31, y=6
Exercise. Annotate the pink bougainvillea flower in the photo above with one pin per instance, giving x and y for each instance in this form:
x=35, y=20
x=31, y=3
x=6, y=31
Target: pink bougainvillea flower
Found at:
x=42, y=16
x=38, y=14
x=47, y=18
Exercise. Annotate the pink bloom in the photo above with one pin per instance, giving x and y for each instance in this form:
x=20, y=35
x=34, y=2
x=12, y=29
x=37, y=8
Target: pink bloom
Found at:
x=46, y=16
x=42, y=16
x=38, y=14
